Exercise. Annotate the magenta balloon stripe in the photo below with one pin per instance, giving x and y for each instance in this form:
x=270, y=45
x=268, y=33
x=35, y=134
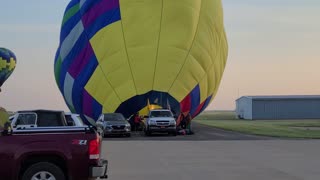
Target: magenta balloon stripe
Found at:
x=98, y=10
x=81, y=61
x=87, y=104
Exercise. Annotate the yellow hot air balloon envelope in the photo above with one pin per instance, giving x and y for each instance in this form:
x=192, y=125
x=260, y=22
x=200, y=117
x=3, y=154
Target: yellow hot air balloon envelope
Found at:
x=118, y=55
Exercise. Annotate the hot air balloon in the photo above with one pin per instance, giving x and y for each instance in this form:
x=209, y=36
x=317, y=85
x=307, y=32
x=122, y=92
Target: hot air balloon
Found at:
x=129, y=56
x=7, y=64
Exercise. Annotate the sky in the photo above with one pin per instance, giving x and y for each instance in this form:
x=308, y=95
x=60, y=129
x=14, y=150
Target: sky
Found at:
x=274, y=49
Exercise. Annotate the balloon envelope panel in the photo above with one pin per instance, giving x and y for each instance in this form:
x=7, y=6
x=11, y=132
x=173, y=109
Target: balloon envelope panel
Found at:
x=126, y=55
x=7, y=64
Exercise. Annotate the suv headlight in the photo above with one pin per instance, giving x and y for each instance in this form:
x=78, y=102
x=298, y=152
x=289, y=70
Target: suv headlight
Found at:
x=152, y=122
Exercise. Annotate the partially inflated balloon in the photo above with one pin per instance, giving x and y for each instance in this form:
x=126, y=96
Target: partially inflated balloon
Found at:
x=127, y=55
x=7, y=64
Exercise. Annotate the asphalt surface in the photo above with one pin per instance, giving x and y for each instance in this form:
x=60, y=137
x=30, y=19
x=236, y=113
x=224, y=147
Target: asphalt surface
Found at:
x=213, y=160
x=202, y=133
x=211, y=154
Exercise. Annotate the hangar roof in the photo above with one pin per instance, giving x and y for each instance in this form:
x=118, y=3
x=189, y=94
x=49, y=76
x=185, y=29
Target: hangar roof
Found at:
x=279, y=97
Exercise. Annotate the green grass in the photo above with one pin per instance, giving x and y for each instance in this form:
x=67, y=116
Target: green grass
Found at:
x=276, y=128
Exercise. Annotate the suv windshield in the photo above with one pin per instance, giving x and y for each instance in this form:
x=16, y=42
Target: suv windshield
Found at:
x=114, y=117
x=160, y=114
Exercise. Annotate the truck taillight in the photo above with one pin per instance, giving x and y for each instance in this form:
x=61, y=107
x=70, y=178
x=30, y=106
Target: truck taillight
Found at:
x=94, y=149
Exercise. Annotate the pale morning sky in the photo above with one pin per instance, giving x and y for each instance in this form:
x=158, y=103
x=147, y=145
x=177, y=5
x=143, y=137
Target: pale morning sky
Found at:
x=274, y=49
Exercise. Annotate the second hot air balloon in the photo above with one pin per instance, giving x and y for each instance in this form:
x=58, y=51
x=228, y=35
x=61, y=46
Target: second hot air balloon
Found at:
x=8, y=63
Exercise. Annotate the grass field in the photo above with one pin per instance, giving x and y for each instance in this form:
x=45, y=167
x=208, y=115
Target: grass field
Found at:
x=276, y=128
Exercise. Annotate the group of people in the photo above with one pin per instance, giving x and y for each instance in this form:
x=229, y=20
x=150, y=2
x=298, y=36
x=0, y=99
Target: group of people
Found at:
x=184, y=124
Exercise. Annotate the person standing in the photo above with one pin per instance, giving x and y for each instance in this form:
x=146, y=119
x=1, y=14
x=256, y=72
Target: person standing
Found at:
x=137, y=121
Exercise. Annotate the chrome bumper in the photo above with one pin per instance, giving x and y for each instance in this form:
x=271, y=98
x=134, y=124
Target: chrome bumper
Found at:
x=100, y=170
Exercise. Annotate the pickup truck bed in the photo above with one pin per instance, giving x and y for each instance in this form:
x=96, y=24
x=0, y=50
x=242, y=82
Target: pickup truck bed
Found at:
x=38, y=118
x=75, y=151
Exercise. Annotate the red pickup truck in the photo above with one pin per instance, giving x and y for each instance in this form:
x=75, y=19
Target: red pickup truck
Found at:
x=51, y=153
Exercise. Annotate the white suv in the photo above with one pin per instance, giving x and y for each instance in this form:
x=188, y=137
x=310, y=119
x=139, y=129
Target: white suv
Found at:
x=160, y=120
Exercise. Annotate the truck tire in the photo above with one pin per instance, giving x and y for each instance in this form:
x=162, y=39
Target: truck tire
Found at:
x=43, y=170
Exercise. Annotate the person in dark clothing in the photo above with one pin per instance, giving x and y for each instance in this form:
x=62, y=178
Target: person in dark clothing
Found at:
x=183, y=123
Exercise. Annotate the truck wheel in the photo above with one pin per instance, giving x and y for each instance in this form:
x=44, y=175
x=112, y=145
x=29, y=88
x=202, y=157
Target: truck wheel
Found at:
x=43, y=170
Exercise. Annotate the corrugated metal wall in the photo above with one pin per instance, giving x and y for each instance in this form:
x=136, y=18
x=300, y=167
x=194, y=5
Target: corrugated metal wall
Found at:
x=244, y=108
x=286, y=109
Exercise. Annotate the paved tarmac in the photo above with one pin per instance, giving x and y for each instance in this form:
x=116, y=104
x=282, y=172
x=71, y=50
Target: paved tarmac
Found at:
x=213, y=160
x=202, y=133
x=211, y=154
